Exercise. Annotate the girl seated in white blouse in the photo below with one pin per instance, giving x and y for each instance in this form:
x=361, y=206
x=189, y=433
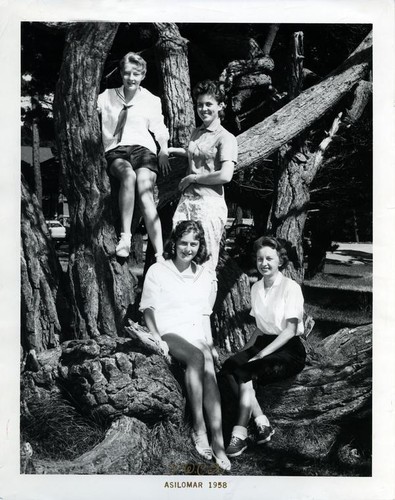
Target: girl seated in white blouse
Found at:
x=274, y=351
x=177, y=300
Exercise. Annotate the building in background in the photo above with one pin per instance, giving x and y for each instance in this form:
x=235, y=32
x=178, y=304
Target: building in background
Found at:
x=54, y=203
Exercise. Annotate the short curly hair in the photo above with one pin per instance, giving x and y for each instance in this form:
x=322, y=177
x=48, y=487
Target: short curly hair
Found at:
x=133, y=58
x=212, y=88
x=183, y=227
x=277, y=244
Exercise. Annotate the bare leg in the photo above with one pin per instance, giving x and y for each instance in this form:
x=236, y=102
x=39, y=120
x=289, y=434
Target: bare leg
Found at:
x=255, y=407
x=212, y=403
x=248, y=404
x=123, y=171
x=249, y=398
x=145, y=187
x=245, y=403
x=193, y=359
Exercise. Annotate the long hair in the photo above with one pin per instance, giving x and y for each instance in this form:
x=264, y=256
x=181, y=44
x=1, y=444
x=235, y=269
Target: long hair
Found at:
x=183, y=227
x=277, y=244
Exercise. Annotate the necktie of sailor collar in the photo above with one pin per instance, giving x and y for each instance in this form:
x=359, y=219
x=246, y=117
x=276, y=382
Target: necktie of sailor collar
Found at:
x=121, y=122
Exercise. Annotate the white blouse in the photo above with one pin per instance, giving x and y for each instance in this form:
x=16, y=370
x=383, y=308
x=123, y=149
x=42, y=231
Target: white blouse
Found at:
x=144, y=116
x=273, y=307
x=179, y=301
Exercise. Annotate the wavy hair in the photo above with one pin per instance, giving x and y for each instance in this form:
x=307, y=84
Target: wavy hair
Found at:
x=184, y=227
x=133, y=58
x=212, y=88
x=277, y=244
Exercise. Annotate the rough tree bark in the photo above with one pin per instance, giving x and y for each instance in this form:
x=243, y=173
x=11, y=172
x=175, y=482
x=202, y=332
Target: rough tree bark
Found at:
x=127, y=377
x=172, y=52
x=231, y=320
x=295, y=74
x=335, y=388
x=125, y=450
x=36, y=156
x=297, y=166
x=265, y=138
x=123, y=381
x=43, y=300
x=297, y=169
x=102, y=286
x=248, y=85
x=271, y=35
x=291, y=226
x=172, y=60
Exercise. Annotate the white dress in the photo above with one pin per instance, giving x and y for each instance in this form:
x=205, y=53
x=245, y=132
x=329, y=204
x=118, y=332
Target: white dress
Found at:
x=179, y=302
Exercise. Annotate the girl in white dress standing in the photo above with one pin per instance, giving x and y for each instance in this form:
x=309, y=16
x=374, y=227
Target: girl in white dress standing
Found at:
x=177, y=299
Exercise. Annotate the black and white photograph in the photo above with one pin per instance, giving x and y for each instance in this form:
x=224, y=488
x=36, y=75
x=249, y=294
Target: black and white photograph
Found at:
x=197, y=302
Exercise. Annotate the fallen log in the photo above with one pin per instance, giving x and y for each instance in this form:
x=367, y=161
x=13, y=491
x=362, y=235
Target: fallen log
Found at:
x=263, y=139
x=309, y=410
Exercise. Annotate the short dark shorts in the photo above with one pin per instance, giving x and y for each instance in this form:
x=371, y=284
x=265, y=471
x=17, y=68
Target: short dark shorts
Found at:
x=137, y=156
x=285, y=362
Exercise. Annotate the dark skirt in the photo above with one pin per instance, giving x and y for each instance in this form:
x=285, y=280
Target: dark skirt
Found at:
x=287, y=361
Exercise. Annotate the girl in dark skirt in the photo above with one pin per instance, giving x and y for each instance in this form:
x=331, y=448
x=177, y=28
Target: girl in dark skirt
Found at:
x=274, y=351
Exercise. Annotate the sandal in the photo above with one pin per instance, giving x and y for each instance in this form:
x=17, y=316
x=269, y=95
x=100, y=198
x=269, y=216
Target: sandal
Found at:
x=200, y=442
x=223, y=463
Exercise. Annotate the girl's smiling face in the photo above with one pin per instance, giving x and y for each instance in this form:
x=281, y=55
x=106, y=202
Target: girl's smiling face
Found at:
x=267, y=262
x=187, y=247
x=208, y=108
x=132, y=75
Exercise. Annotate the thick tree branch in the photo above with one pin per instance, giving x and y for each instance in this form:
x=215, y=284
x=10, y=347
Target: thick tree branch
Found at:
x=263, y=139
x=271, y=35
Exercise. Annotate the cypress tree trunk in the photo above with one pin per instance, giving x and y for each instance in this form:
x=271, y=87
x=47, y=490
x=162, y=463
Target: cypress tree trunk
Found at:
x=172, y=59
x=173, y=66
x=289, y=210
x=298, y=163
x=36, y=163
x=43, y=299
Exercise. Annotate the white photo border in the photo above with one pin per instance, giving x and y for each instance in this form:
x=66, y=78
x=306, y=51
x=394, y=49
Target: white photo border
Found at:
x=381, y=485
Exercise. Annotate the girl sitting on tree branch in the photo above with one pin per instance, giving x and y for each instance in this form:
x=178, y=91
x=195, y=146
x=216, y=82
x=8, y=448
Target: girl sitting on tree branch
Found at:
x=128, y=114
x=274, y=351
x=177, y=300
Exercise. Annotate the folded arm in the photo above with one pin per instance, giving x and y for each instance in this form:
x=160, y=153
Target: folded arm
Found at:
x=219, y=177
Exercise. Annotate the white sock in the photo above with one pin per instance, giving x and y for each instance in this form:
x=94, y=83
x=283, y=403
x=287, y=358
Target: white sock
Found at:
x=239, y=431
x=262, y=420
